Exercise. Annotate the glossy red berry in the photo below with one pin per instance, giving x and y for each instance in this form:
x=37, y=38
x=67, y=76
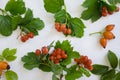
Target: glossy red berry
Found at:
x=37, y=52
x=44, y=50
x=23, y=39
x=30, y=34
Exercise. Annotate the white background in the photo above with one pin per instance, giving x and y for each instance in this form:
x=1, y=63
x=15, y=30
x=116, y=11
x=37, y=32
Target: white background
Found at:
x=87, y=45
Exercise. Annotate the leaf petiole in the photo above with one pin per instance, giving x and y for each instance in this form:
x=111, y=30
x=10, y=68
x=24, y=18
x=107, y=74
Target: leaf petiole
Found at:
x=96, y=33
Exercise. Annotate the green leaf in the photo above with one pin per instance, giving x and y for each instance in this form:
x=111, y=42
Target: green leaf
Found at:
x=93, y=10
x=9, y=54
x=12, y=52
x=15, y=7
x=27, y=18
x=62, y=16
x=1, y=58
x=117, y=76
x=5, y=52
x=112, y=1
x=54, y=77
x=109, y=75
x=10, y=58
x=53, y=6
x=77, y=27
x=56, y=69
x=45, y=67
x=85, y=71
x=113, y=60
x=30, y=61
x=15, y=21
x=11, y=75
x=34, y=25
x=73, y=72
x=5, y=25
x=99, y=69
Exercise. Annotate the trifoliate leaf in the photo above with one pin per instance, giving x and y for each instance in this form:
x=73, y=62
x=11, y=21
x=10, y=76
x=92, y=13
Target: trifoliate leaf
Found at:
x=56, y=69
x=45, y=67
x=117, y=76
x=15, y=21
x=113, y=60
x=34, y=25
x=62, y=16
x=5, y=25
x=9, y=54
x=27, y=18
x=11, y=75
x=77, y=27
x=73, y=72
x=99, y=69
x=93, y=10
x=30, y=61
x=109, y=75
x=53, y=6
x=15, y=7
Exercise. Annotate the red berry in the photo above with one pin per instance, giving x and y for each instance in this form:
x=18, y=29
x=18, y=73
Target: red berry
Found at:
x=63, y=27
x=64, y=56
x=110, y=12
x=44, y=50
x=23, y=39
x=58, y=57
x=30, y=34
x=58, y=51
x=51, y=57
x=104, y=14
x=37, y=52
x=90, y=68
x=26, y=37
x=89, y=62
x=69, y=31
x=84, y=59
x=104, y=8
x=56, y=61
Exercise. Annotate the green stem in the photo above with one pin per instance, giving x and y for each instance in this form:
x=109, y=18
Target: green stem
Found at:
x=51, y=45
x=96, y=33
x=4, y=12
x=66, y=13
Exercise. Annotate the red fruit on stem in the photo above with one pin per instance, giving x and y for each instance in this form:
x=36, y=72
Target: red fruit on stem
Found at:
x=51, y=57
x=23, y=39
x=58, y=57
x=64, y=56
x=63, y=27
x=37, y=52
x=44, y=50
x=69, y=31
x=30, y=34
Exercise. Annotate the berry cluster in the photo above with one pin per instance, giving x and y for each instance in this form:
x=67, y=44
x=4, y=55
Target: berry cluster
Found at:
x=25, y=37
x=107, y=35
x=105, y=11
x=84, y=62
x=57, y=55
x=44, y=51
x=62, y=28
